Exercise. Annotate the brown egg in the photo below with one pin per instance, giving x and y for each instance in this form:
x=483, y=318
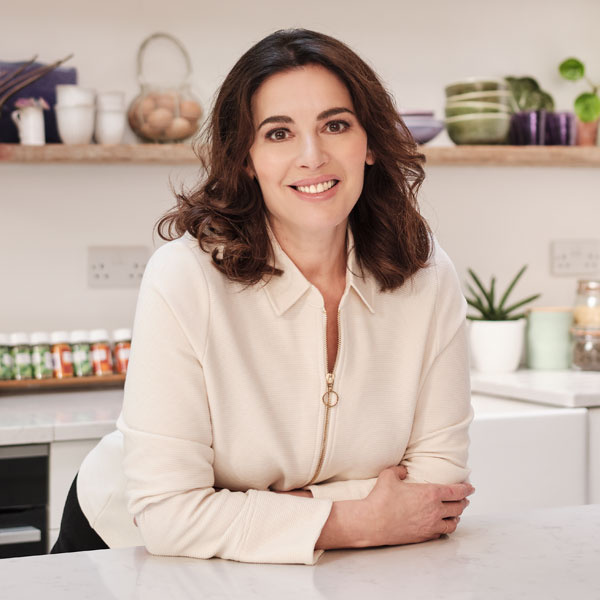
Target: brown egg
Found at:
x=167, y=101
x=134, y=120
x=180, y=128
x=146, y=105
x=147, y=132
x=190, y=110
x=159, y=119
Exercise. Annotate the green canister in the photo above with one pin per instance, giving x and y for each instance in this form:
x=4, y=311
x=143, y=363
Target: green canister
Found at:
x=6, y=359
x=41, y=355
x=21, y=354
x=82, y=358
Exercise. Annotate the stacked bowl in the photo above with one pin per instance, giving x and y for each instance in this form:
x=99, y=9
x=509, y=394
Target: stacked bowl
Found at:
x=478, y=111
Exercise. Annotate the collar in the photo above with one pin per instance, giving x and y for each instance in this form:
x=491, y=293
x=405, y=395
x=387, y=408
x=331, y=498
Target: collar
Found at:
x=285, y=290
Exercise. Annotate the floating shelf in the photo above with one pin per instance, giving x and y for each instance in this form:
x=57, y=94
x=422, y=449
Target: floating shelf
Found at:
x=47, y=385
x=182, y=154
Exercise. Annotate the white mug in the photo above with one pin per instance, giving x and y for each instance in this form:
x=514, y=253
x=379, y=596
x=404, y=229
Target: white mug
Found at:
x=30, y=123
x=110, y=101
x=110, y=126
x=75, y=123
x=68, y=94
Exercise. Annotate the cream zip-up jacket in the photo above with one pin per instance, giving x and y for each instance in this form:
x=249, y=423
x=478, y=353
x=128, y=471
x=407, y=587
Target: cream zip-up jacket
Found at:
x=225, y=401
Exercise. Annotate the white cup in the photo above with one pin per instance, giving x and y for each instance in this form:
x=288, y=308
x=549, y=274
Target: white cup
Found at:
x=75, y=123
x=30, y=123
x=110, y=101
x=110, y=126
x=74, y=95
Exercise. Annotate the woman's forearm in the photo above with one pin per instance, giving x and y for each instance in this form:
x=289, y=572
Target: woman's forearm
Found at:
x=349, y=525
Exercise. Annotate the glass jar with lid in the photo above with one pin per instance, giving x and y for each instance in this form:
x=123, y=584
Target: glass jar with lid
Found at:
x=21, y=354
x=587, y=303
x=122, y=340
x=101, y=355
x=586, y=348
x=6, y=359
x=41, y=355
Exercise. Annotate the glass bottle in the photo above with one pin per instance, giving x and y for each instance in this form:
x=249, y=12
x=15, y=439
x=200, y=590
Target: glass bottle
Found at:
x=587, y=303
x=6, y=359
x=82, y=354
x=101, y=354
x=21, y=354
x=41, y=355
x=122, y=340
x=62, y=357
x=586, y=348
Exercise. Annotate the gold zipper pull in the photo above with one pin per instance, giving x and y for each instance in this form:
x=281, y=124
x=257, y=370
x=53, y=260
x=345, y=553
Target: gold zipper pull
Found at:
x=330, y=397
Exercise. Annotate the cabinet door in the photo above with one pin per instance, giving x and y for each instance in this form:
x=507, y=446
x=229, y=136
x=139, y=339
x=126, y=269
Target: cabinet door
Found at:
x=594, y=456
x=65, y=458
x=526, y=456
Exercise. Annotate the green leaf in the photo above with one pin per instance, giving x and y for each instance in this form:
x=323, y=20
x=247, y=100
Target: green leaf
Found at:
x=572, y=69
x=547, y=102
x=521, y=303
x=480, y=286
x=587, y=107
x=492, y=286
x=511, y=286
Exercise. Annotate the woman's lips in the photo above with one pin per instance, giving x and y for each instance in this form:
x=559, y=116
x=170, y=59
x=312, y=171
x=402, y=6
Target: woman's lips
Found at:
x=318, y=196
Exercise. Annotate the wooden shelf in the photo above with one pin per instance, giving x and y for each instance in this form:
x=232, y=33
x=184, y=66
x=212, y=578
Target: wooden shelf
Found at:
x=181, y=154
x=71, y=383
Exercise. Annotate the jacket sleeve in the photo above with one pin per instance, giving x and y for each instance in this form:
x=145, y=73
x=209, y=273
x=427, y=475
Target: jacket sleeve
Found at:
x=168, y=455
x=354, y=489
x=437, y=449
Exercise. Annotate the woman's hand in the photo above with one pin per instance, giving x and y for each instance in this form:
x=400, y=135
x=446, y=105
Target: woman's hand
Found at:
x=406, y=513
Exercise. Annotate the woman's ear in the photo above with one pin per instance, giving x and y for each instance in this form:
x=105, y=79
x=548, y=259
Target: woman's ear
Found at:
x=249, y=168
x=370, y=158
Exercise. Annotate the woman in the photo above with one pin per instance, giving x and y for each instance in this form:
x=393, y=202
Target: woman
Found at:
x=298, y=377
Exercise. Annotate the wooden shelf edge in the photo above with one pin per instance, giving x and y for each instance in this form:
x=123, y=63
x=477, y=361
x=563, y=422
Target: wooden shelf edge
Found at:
x=36, y=385
x=183, y=154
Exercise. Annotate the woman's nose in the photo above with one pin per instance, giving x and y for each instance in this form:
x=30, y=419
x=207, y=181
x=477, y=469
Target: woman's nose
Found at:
x=311, y=153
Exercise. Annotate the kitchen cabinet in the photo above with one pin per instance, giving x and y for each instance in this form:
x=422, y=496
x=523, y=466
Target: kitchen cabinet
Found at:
x=65, y=458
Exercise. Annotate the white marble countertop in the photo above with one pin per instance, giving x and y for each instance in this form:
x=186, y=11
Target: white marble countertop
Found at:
x=545, y=554
x=53, y=416
x=559, y=388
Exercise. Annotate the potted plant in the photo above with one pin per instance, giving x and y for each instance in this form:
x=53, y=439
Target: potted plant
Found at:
x=496, y=334
x=587, y=105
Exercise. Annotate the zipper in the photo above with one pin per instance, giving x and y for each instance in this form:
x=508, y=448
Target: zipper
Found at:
x=330, y=398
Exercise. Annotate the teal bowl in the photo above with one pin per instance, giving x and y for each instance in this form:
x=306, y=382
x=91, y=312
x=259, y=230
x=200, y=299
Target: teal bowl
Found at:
x=482, y=129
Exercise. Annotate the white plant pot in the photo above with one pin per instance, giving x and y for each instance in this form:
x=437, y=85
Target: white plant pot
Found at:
x=496, y=346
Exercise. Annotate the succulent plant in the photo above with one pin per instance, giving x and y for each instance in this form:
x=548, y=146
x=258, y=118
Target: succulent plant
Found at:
x=485, y=302
x=587, y=105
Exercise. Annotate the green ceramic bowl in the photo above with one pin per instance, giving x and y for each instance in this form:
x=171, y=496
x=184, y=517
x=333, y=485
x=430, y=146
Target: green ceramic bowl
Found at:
x=454, y=109
x=474, y=84
x=504, y=97
x=481, y=129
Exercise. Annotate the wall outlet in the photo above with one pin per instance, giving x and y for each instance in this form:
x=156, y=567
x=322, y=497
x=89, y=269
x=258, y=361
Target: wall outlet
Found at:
x=575, y=257
x=116, y=266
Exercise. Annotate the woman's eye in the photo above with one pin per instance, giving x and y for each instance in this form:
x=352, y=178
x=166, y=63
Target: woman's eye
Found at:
x=277, y=134
x=337, y=126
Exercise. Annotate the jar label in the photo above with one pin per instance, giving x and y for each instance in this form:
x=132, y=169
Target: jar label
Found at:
x=22, y=359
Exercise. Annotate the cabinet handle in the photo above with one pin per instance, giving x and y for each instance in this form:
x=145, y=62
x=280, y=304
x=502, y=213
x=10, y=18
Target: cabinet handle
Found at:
x=19, y=535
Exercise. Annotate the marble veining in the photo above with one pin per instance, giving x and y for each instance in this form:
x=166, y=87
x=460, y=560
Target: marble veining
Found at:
x=544, y=554
x=53, y=416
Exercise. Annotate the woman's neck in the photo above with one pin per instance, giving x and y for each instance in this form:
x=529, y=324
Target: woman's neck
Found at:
x=320, y=256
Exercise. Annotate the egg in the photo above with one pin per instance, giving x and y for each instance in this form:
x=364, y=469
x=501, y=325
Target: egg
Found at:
x=146, y=105
x=147, y=132
x=180, y=128
x=134, y=120
x=167, y=101
x=190, y=110
x=159, y=119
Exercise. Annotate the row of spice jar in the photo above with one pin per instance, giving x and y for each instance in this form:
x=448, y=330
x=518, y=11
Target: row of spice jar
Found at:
x=61, y=354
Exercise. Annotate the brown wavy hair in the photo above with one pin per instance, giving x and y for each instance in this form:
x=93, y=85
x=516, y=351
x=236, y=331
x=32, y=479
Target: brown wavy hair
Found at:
x=226, y=212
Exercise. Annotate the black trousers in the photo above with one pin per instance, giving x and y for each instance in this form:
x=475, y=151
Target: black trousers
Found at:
x=75, y=532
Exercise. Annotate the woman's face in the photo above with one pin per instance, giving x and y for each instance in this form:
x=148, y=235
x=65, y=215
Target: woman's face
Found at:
x=307, y=139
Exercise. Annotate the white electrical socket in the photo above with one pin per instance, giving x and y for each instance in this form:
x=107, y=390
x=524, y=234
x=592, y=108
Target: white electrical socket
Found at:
x=575, y=257
x=116, y=266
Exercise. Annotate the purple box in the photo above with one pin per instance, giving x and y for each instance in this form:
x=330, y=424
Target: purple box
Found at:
x=42, y=88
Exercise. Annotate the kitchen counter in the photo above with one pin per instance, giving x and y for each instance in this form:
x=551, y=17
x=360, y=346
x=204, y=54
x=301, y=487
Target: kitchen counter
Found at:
x=560, y=388
x=57, y=416
x=546, y=554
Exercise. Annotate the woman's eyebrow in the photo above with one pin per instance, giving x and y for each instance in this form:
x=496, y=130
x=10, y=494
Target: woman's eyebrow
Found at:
x=324, y=115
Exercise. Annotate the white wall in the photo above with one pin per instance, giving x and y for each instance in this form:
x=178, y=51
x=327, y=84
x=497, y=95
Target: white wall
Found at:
x=493, y=219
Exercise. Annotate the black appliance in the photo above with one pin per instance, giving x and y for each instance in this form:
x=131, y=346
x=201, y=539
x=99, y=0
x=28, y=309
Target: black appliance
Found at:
x=23, y=500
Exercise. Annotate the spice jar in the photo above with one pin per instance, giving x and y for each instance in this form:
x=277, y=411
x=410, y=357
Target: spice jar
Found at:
x=82, y=354
x=6, y=359
x=586, y=348
x=41, y=355
x=62, y=357
x=587, y=303
x=122, y=340
x=21, y=354
x=101, y=355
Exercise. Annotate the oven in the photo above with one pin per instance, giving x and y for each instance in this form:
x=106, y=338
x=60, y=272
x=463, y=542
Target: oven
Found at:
x=23, y=500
